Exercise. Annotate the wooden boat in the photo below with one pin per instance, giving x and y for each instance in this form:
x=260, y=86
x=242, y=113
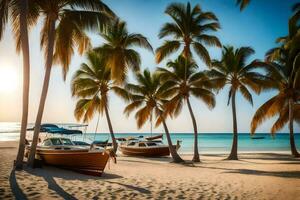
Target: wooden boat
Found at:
x=61, y=152
x=145, y=148
x=154, y=137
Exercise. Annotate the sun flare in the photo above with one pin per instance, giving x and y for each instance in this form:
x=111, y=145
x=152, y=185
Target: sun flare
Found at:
x=8, y=79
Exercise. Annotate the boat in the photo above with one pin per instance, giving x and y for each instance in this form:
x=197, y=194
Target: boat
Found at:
x=154, y=137
x=62, y=152
x=154, y=148
x=258, y=137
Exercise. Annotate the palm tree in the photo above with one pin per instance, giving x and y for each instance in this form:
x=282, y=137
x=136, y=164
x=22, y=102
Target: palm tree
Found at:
x=147, y=97
x=285, y=75
x=190, y=29
x=242, y=3
x=283, y=66
x=233, y=70
x=118, y=49
x=18, y=10
x=63, y=29
x=92, y=84
x=184, y=82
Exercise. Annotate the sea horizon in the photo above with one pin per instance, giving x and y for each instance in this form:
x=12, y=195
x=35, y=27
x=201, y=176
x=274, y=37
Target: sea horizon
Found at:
x=211, y=142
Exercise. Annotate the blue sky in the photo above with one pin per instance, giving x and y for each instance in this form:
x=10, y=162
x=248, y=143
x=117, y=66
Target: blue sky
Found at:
x=257, y=26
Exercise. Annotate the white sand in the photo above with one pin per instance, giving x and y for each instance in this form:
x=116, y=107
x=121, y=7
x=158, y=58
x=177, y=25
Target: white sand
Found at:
x=255, y=176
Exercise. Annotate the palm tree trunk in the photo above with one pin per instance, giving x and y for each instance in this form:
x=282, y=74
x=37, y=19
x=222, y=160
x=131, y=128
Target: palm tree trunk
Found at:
x=291, y=127
x=26, y=79
x=114, y=142
x=49, y=59
x=176, y=158
x=196, y=157
x=233, y=154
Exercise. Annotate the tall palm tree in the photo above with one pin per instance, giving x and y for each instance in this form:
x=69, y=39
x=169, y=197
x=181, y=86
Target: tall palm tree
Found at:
x=19, y=12
x=233, y=70
x=118, y=49
x=190, y=29
x=185, y=82
x=92, y=84
x=63, y=29
x=147, y=97
x=285, y=74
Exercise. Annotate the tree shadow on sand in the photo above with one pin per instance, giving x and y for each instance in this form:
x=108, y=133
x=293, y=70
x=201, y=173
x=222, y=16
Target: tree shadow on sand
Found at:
x=15, y=188
x=282, y=174
x=50, y=173
x=132, y=187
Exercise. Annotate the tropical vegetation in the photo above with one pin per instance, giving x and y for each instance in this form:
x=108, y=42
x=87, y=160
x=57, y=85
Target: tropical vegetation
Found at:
x=92, y=84
x=164, y=92
x=234, y=70
x=118, y=49
x=148, y=98
x=283, y=67
x=184, y=81
x=190, y=28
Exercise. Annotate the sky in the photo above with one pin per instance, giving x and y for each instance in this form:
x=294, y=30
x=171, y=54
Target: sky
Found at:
x=257, y=26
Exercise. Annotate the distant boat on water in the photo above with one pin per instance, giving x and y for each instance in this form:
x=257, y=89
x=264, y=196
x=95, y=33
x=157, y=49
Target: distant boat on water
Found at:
x=258, y=137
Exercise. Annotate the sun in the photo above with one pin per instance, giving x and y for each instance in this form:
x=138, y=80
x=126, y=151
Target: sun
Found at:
x=8, y=79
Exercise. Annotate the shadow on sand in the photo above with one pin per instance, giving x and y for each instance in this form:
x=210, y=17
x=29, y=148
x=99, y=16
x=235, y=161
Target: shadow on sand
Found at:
x=282, y=174
x=15, y=188
x=49, y=174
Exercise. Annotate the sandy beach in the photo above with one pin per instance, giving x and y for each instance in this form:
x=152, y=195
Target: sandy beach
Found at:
x=255, y=176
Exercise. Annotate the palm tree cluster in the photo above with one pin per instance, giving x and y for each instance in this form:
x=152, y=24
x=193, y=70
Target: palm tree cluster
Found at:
x=162, y=93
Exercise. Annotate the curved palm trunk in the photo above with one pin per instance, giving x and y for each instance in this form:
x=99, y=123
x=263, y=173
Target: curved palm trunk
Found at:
x=291, y=127
x=176, y=158
x=196, y=157
x=26, y=80
x=115, y=144
x=51, y=38
x=233, y=154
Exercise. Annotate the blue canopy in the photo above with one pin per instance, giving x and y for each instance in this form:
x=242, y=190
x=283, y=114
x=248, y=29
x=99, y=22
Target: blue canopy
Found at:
x=54, y=129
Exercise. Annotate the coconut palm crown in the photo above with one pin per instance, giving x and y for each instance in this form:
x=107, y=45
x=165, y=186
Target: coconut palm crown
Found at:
x=118, y=49
x=184, y=82
x=190, y=29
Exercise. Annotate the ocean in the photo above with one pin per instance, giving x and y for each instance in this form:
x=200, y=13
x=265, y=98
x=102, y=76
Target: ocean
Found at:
x=208, y=142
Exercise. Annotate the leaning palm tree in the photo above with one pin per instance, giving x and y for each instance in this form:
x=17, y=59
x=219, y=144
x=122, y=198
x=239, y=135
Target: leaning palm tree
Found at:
x=233, y=70
x=19, y=13
x=91, y=84
x=185, y=82
x=190, y=28
x=286, y=79
x=62, y=30
x=118, y=49
x=148, y=97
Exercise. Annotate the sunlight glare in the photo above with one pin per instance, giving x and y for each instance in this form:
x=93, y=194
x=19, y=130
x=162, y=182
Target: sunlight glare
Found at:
x=8, y=79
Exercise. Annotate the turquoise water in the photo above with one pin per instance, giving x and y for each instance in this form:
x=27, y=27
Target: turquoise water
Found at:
x=208, y=142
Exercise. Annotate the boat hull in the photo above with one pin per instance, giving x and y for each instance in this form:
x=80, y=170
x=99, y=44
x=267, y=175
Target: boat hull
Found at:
x=145, y=151
x=84, y=161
